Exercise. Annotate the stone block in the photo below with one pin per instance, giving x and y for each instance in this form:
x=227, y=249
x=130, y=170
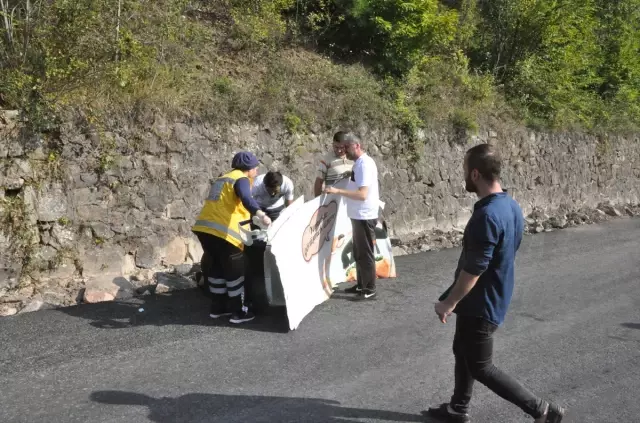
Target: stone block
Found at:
x=35, y=305
x=398, y=251
x=102, y=231
x=178, y=210
x=10, y=266
x=92, y=296
x=185, y=269
x=129, y=265
x=168, y=282
x=100, y=261
x=143, y=275
x=101, y=268
x=61, y=274
x=14, y=174
x=175, y=252
x=7, y=310
x=62, y=236
x=149, y=253
x=156, y=198
x=51, y=203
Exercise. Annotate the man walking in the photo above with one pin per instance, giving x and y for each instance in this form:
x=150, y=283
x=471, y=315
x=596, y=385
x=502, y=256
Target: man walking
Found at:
x=333, y=167
x=481, y=293
x=363, y=201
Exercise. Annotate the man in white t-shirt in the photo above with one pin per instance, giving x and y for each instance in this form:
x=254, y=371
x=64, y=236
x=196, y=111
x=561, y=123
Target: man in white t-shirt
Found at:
x=363, y=201
x=273, y=192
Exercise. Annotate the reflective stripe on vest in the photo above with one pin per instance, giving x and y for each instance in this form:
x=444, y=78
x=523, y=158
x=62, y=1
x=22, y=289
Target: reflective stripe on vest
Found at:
x=218, y=227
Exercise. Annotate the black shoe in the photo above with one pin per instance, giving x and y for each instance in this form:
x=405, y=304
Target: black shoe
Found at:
x=242, y=317
x=555, y=413
x=217, y=311
x=366, y=295
x=443, y=414
x=355, y=289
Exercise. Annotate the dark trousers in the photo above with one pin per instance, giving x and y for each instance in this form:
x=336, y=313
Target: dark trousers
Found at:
x=363, y=246
x=273, y=213
x=223, y=272
x=473, y=350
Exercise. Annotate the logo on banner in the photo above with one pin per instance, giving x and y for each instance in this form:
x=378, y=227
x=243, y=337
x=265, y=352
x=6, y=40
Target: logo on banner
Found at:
x=319, y=230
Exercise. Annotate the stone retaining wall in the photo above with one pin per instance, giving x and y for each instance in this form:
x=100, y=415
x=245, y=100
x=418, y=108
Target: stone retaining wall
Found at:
x=103, y=211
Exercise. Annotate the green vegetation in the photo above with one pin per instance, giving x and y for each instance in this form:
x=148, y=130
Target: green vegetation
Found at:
x=14, y=223
x=559, y=64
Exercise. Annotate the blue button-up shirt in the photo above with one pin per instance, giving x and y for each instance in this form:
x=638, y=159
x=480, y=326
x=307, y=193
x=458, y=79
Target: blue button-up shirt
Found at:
x=491, y=239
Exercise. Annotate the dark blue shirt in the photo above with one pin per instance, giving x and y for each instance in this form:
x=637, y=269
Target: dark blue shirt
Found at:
x=242, y=188
x=491, y=239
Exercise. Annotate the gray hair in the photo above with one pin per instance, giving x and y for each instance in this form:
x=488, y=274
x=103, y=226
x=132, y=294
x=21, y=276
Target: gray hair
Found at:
x=347, y=138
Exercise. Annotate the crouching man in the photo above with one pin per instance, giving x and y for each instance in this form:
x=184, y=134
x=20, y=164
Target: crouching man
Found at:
x=273, y=192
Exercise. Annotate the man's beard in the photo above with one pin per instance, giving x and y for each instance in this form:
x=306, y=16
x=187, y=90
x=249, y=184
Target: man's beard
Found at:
x=350, y=156
x=469, y=185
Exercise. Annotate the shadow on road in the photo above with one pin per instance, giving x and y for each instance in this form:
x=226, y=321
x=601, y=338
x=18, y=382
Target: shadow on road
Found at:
x=197, y=407
x=631, y=325
x=186, y=307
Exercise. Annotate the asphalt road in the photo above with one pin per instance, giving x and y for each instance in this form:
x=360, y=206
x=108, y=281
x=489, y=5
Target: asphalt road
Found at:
x=572, y=335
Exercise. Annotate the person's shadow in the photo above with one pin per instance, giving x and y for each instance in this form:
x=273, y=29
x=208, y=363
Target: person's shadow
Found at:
x=210, y=408
x=185, y=307
x=631, y=325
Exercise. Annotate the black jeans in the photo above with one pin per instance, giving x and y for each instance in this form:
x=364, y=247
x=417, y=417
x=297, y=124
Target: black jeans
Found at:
x=364, y=239
x=473, y=350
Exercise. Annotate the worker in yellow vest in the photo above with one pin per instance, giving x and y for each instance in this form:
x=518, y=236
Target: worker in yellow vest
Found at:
x=229, y=202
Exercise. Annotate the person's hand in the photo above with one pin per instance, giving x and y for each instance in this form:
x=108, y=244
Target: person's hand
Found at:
x=330, y=190
x=266, y=220
x=444, y=310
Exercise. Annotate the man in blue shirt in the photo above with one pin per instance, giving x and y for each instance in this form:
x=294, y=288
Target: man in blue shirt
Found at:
x=482, y=291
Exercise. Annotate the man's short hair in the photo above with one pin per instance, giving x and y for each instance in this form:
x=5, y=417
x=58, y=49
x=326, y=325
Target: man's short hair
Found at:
x=339, y=136
x=346, y=138
x=486, y=160
x=273, y=179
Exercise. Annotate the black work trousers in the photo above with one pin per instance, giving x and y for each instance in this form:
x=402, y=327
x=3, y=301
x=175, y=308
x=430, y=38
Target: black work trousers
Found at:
x=473, y=350
x=364, y=239
x=223, y=272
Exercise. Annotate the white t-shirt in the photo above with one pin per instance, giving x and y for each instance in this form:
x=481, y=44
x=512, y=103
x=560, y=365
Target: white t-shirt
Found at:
x=365, y=174
x=265, y=200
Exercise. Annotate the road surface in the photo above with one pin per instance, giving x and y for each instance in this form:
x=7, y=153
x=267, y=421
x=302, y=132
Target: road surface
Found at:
x=572, y=334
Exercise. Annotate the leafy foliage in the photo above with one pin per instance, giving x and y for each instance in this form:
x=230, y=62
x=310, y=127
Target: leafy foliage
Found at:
x=557, y=63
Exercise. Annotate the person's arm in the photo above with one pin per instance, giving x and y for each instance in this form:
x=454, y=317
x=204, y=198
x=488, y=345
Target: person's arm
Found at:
x=317, y=187
x=364, y=176
x=288, y=192
x=359, y=195
x=320, y=177
x=480, y=244
x=242, y=188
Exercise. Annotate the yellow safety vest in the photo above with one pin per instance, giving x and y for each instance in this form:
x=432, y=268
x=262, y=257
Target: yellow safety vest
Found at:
x=223, y=210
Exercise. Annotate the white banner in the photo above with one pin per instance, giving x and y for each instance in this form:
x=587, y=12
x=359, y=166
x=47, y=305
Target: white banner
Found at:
x=312, y=246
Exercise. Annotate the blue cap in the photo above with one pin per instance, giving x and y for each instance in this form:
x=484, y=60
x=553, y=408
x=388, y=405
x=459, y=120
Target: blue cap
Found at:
x=244, y=160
